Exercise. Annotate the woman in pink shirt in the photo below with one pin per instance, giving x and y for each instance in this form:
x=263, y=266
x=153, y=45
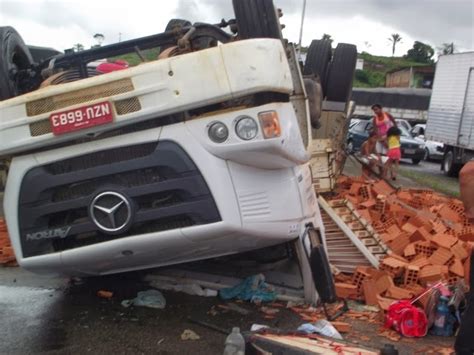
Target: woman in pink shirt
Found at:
x=383, y=121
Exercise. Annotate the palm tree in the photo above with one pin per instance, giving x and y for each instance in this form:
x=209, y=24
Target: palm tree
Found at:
x=327, y=37
x=394, y=39
x=99, y=37
x=78, y=47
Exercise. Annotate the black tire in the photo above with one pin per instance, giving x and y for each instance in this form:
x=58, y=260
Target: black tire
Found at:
x=449, y=167
x=416, y=161
x=341, y=73
x=14, y=55
x=177, y=22
x=257, y=19
x=318, y=59
x=427, y=155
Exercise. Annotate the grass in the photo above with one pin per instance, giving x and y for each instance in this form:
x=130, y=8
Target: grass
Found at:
x=375, y=68
x=133, y=59
x=442, y=184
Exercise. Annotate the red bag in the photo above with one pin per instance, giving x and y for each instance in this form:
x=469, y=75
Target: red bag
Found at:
x=406, y=319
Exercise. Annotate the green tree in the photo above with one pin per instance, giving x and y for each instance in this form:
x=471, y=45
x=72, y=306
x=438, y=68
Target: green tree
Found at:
x=78, y=47
x=99, y=37
x=327, y=37
x=447, y=48
x=421, y=53
x=395, y=38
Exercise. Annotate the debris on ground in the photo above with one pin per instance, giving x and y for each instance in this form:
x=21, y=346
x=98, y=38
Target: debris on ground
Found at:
x=253, y=289
x=426, y=235
x=234, y=343
x=189, y=288
x=150, y=298
x=105, y=294
x=188, y=334
x=7, y=256
x=322, y=326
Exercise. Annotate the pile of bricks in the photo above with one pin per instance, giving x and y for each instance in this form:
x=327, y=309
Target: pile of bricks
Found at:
x=428, y=236
x=7, y=257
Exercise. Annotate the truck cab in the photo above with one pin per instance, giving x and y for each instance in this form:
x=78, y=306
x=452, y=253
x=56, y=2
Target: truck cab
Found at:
x=200, y=153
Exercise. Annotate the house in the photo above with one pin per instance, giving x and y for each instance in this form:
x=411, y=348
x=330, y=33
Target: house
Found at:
x=411, y=77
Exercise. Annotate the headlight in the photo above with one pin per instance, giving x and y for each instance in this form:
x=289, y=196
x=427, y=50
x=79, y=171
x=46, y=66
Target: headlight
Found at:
x=246, y=128
x=218, y=132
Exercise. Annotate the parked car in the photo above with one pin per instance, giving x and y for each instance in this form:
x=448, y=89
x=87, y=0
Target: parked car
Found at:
x=403, y=123
x=433, y=149
x=411, y=148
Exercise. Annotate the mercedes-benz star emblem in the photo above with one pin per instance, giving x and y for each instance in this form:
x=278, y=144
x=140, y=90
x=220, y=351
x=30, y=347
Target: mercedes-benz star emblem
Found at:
x=111, y=212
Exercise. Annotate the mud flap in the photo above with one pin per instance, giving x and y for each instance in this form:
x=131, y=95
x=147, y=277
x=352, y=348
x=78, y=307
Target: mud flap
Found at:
x=319, y=264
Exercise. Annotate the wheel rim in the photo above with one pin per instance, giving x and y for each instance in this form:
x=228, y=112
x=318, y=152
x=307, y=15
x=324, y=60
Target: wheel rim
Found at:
x=448, y=161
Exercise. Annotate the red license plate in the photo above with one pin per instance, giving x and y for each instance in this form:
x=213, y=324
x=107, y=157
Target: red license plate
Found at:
x=81, y=118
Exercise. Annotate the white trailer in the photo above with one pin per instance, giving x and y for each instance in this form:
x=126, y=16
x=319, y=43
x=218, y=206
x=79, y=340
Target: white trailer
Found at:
x=451, y=112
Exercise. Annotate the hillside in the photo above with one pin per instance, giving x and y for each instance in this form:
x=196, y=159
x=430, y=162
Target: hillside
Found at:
x=375, y=68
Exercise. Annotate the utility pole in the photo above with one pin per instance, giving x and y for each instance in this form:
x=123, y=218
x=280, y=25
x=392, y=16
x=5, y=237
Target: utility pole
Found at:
x=301, y=29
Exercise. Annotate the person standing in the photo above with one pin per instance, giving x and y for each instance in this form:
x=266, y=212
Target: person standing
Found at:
x=464, y=344
x=394, y=153
x=382, y=122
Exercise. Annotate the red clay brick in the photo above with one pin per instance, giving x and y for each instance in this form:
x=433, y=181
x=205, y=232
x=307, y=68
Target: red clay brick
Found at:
x=459, y=250
x=369, y=288
x=345, y=290
x=457, y=268
x=441, y=257
x=444, y=240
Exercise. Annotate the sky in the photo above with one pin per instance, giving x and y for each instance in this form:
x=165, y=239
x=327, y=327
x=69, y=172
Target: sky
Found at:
x=367, y=23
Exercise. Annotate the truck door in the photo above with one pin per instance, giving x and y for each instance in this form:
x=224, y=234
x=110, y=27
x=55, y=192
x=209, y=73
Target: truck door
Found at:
x=466, y=129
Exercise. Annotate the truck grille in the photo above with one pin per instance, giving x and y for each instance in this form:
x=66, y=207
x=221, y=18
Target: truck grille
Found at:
x=165, y=187
x=122, y=107
x=58, y=102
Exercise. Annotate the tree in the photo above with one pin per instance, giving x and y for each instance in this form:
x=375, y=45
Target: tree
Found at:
x=447, y=48
x=78, y=47
x=99, y=37
x=394, y=39
x=420, y=53
x=327, y=37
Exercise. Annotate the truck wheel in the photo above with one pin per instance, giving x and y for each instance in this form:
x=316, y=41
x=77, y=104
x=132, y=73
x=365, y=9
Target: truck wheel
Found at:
x=257, y=19
x=341, y=73
x=450, y=168
x=317, y=60
x=177, y=22
x=14, y=55
x=416, y=161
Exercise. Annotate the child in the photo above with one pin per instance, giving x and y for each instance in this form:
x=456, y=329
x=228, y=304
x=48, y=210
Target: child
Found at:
x=394, y=152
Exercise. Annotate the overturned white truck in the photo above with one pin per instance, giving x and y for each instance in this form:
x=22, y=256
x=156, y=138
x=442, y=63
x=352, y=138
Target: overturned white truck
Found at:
x=201, y=153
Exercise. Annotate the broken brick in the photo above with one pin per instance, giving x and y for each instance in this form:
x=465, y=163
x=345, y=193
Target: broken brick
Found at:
x=412, y=274
x=369, y=288
x=342, y=327
x=345, y=290
x=399, y=293
x=441, y=257
x=444, y=240
x=457, y=268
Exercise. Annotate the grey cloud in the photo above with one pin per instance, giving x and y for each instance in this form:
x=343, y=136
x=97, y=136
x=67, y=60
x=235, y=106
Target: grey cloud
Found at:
x=434, y=21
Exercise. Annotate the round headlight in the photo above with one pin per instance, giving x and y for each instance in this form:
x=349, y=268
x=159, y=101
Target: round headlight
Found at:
x=246, y=128
x=218, y=132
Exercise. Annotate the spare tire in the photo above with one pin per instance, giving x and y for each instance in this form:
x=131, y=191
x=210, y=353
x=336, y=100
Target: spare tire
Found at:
x=318, y=59
x=341, y=73
x=14, y=56
x=257, y=19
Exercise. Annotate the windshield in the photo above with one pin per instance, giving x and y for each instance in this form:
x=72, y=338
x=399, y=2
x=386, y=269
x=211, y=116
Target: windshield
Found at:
x=404, y=131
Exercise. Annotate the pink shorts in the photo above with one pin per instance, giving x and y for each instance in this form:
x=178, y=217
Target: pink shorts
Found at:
x=394, y=154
